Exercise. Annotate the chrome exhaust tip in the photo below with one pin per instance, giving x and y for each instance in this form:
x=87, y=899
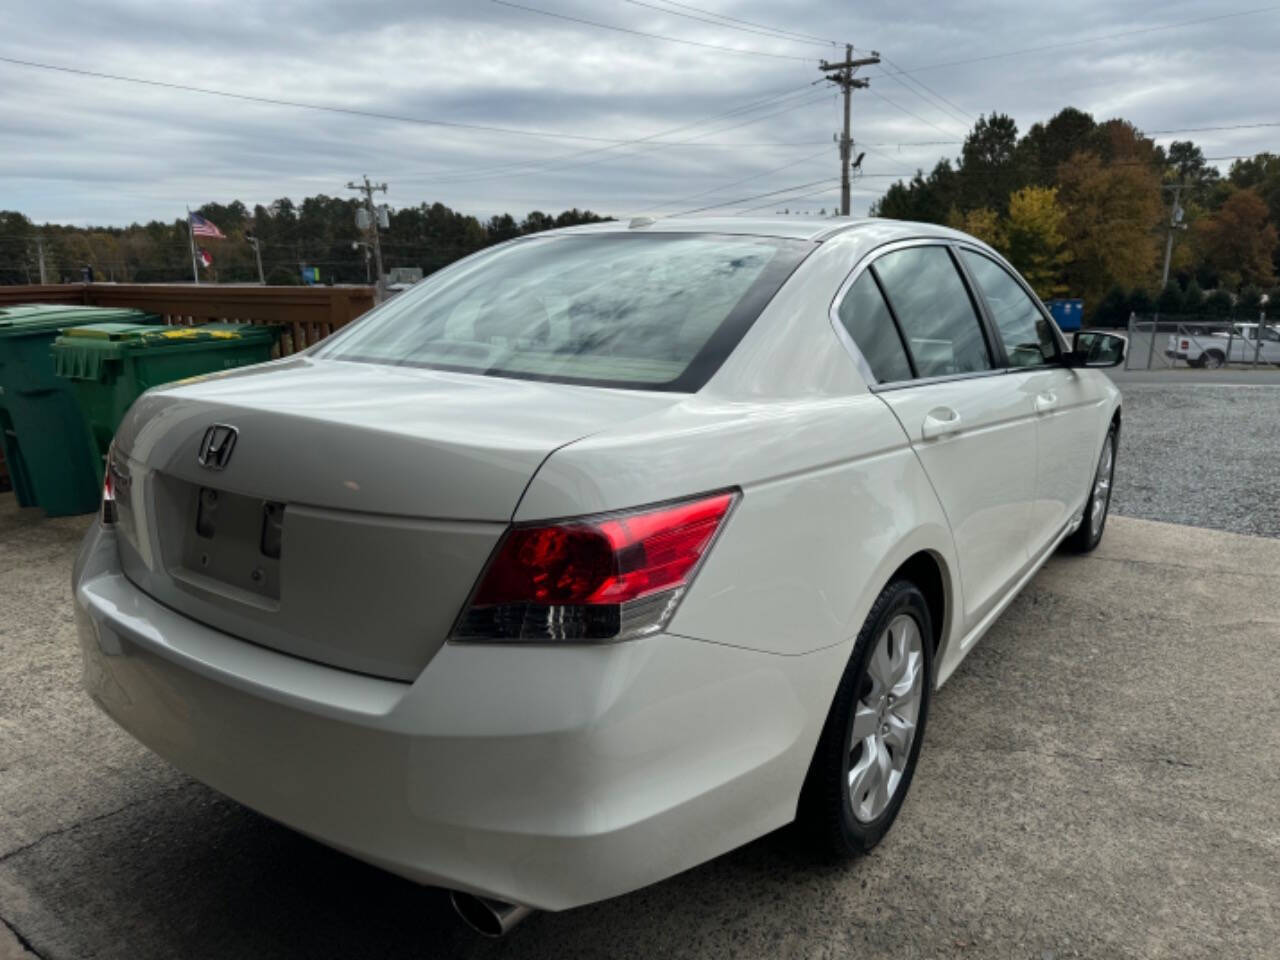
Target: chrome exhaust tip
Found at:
x=489, y=918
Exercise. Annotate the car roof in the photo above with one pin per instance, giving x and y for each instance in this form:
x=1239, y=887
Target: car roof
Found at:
x=799, y=228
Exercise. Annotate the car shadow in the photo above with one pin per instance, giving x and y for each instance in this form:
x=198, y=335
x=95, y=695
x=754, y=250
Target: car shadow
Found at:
x=191, y=874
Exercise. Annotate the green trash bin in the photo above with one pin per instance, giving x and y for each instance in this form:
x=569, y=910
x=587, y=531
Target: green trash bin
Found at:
x=109, y=365
x=45, y=445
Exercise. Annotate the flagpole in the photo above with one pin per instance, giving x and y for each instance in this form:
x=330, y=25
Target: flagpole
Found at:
x=191, y=235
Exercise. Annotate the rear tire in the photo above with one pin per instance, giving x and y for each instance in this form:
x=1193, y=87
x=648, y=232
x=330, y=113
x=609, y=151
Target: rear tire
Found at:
x=866, y=756
x=1098, y=506
x=1212, y=359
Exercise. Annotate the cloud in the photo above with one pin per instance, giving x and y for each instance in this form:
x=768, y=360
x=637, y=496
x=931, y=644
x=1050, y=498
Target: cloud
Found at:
x=86, y=150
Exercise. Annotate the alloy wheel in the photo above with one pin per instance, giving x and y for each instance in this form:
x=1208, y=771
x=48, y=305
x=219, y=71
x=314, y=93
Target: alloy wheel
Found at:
x=885, y=717
x=1102, y=489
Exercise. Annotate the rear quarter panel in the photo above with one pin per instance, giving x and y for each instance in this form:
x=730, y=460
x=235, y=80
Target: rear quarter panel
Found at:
x=833, y=500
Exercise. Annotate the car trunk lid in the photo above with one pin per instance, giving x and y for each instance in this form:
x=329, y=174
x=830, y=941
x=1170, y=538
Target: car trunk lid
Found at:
x=337, y=511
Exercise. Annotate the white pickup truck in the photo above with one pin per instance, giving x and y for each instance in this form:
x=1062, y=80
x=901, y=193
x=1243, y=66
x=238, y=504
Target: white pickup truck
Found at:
x=1214, y=349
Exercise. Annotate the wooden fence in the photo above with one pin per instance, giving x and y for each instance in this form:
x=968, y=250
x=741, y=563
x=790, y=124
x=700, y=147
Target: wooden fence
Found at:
x=308, y=314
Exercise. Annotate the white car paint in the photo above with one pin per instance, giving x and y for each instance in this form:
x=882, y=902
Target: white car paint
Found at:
x=553, y=775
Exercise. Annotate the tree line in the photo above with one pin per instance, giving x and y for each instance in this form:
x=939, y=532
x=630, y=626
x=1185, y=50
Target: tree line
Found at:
x=319, y=232
x=1083, y=208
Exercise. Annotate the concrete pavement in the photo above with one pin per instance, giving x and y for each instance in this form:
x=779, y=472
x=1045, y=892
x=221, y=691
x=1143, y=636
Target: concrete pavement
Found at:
x=1099, y=779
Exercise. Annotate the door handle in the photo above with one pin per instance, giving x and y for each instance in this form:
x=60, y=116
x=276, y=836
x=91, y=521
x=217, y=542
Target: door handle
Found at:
x=939, y=422
x=1045, y=402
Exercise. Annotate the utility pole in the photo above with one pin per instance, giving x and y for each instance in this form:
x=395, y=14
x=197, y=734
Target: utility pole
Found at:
x=841, y=74
x=368, y=189
x=40, y=257
x=257, y=253
x=1175, y=223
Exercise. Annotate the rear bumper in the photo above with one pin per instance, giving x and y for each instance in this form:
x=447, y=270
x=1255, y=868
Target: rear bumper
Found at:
x=550, y=777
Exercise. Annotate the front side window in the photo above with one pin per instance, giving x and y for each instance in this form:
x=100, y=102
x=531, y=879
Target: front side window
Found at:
x=935, y=311
x=1023, y=329
x=865, y=315
x=652, y=311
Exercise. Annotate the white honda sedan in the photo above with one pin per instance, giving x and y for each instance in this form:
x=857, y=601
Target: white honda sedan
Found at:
x=600, y=552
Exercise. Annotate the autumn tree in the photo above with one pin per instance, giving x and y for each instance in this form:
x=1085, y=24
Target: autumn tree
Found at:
x=1120, y=142
x=1034, y=240
x=983, y=223
x=1112, y=213
x=1261, y=173
x=1238, y=240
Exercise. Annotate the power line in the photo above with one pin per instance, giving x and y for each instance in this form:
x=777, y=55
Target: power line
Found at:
x=792, y=199
x=1230, y=126
x=751, y=23
x=910, y=113
x=651, y=36
x=1087, y=40
x=965, y=114
x=897, y=78
x=689, y=16
x=550, y=167
x=303, y=105
x=758, y=196
x=533, y=166
x=536, y=165
x=734, y=183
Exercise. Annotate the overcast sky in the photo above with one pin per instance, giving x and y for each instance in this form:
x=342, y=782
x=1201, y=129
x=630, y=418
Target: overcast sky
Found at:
x=82, y=149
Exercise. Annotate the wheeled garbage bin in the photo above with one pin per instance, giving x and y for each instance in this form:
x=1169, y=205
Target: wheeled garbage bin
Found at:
x=45, y=443
x=109, y=365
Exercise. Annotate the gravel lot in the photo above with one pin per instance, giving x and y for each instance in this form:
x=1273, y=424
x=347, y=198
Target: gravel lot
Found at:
x=1200, y=454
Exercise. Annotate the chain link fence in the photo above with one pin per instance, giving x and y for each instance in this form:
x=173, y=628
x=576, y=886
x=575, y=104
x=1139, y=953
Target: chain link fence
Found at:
x=1161, y=343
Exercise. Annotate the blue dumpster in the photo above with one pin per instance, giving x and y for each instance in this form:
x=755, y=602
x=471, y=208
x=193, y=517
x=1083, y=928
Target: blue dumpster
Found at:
x=1068, y=314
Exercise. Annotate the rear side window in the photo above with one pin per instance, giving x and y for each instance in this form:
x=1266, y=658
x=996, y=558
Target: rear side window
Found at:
x=645, y=311
x=865, y=315
x=1023, y=328
x=934, y=310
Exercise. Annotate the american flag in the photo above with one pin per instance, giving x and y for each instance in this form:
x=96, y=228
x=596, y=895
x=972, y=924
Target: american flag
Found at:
x=204, y=228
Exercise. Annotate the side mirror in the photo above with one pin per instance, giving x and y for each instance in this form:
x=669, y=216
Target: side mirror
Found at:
x=1092, y=348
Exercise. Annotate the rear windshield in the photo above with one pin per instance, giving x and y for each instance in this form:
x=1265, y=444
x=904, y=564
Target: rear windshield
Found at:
x=651, y=311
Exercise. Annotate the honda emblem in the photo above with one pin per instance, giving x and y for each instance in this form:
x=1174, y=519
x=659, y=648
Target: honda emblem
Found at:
x=216, y=446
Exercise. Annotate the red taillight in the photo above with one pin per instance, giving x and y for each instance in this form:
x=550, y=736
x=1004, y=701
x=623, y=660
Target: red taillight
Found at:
x=108, y=495
x=1186, y=345
x=599, y=578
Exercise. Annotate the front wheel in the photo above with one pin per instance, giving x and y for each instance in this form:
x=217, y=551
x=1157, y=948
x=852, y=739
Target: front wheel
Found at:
x=867, y=753
x=1099, y=504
